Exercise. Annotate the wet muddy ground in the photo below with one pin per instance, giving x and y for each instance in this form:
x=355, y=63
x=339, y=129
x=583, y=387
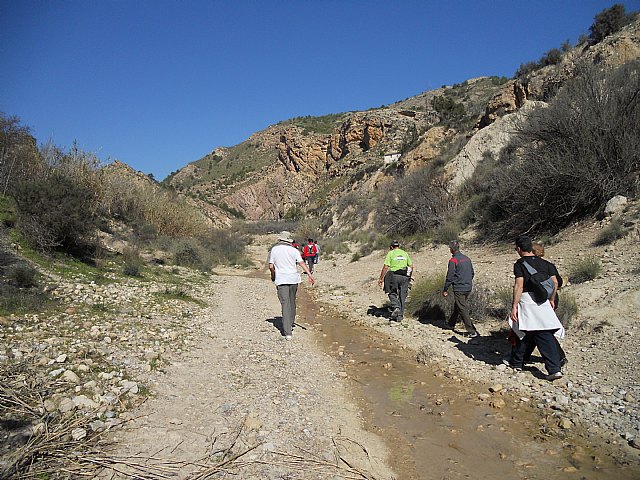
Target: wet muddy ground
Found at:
x=438, y=427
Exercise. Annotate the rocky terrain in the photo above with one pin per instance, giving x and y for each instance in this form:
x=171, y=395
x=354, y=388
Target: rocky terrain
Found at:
x=601, y=388
x=186, y=373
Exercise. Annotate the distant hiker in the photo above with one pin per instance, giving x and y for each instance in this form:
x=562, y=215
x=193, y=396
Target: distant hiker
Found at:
x=283, y=261
x=531, y=320
x=317, y=252
x=396, y=275
x=295, y=245
x=459, y=275
x=538, y=250
x=309, y=254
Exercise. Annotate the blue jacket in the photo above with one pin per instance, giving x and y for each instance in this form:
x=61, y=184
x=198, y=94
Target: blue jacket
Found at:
x=459, y=273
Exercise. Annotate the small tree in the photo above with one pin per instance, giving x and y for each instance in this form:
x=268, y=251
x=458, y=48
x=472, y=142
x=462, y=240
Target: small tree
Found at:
x=54, y=212
x=608, y=21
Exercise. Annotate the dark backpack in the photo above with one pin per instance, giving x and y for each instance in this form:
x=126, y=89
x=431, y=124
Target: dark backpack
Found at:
x=540, y=284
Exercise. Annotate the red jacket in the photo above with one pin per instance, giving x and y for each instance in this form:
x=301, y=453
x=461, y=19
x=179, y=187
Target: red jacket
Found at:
x=310, y=250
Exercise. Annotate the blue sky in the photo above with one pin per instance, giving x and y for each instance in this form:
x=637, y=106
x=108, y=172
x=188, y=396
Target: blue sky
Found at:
x=160, y=83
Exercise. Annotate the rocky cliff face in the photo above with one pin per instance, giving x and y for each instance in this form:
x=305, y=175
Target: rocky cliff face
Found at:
x=301, y=164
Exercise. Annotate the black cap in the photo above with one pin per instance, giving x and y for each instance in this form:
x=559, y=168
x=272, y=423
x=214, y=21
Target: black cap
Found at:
x=395, y=243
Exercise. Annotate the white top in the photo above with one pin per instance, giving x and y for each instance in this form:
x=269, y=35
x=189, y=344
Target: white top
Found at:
x=285, y=258
x=532, y=316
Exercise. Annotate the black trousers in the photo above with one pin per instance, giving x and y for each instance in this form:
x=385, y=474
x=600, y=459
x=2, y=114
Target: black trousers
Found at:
x=547, y=345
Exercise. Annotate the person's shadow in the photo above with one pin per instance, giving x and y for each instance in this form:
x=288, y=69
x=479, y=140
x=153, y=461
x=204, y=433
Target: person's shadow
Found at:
x=384, y=312
x=277, y=323
x=490, y=349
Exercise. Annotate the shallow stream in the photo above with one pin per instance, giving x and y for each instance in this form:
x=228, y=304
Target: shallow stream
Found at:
x=436, y=427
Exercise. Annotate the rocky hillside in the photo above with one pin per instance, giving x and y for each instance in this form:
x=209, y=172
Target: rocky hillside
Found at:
x=308, y=163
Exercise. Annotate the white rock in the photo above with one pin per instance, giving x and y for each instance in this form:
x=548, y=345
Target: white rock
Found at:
x=70, y=376
x=78, y=433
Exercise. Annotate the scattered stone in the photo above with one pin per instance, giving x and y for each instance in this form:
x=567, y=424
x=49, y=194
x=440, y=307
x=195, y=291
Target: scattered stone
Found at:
x=78, y=433
x=565, y=423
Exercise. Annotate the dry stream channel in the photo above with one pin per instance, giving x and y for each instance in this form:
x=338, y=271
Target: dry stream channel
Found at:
x=436, y=427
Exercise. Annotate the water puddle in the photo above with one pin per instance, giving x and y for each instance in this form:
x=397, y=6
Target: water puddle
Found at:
x=436, y=427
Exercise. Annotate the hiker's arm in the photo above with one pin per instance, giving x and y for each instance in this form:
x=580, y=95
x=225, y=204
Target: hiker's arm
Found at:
x=518, y=286
x=309, y=274
x=552, y=299
x=272, y=269
x=383, y=272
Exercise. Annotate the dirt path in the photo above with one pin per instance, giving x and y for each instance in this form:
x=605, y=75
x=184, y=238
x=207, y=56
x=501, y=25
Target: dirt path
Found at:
x=346, y=399
x=244, y=387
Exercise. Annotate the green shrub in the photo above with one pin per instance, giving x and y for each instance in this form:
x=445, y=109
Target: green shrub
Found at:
x=22, y=275
x=608, y=21
x=14, y=300
x=333, y=245
x=446, y=232
x=132, y=262
x=293, y=214
x=448, y=109
x=584, y=270
x=567, y=308
x=188, y=252
x=610, y=233
x=426, y=302
x=502, y=302
x=55, y=213
x=7, y=212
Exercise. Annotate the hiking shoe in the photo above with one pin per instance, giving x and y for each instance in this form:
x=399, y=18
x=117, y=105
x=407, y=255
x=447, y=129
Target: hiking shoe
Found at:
x=451, y=326
x=554, y=376
x=564, y=361
x=472, y=334
x=395, y=314
x=287, y=337
x=508, y=364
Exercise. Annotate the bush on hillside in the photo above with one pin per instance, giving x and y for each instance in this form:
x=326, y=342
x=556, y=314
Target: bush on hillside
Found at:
x=609, y=234
x=420, y=202
x=448, y=109
x=22, y=275
x=567, y=160
x=19, y=155
x=608, y=21
x=584, y=269
x=55, y=213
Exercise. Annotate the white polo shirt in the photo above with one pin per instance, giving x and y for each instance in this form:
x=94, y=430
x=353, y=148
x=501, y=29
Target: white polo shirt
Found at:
x=285, y=258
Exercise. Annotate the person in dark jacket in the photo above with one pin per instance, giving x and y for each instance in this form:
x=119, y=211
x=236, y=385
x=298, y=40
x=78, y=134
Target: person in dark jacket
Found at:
x=460, y=276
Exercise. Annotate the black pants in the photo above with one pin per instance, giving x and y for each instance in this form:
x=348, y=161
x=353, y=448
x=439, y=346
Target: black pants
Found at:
x=547, y=345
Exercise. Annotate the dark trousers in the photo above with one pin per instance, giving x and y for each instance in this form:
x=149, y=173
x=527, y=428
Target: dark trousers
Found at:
x=461, y=309
x=547, y=345
x=310, y=262
x=398, y=290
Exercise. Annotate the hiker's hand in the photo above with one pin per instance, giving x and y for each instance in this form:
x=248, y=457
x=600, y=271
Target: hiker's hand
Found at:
x=514, y=313
x=380, y=282
x=312, y=280
x=445, y=294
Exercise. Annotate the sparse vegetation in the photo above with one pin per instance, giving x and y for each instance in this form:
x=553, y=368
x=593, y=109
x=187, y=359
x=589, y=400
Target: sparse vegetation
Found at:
x=562, y=165
x=420, y=202
x=585, y=269
x=612, y=232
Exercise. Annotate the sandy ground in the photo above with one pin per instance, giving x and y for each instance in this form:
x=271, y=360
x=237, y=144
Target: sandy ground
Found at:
x=245, y=403
x=246, y=389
